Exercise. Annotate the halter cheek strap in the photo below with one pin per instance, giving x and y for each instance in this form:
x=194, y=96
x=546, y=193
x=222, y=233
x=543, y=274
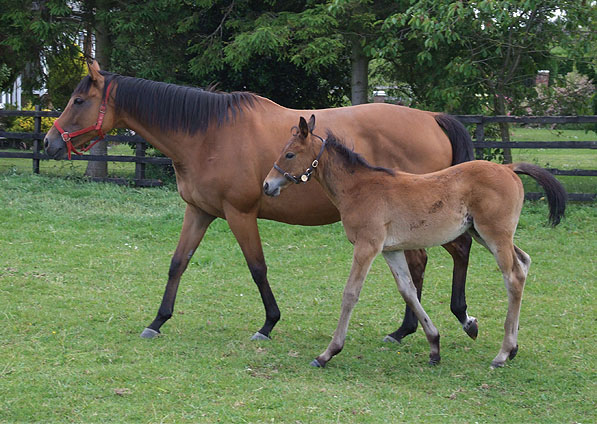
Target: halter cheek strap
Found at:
x=68, y=136
x=305, y=176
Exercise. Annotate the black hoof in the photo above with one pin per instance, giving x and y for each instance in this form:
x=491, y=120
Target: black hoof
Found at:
x=434, y=359
x=513, y=353
x=315, y=363
x=471, y=328
x=149, y=333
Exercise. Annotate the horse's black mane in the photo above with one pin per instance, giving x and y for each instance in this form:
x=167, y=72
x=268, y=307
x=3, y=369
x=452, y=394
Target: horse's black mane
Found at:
x=351, y=158
x=170, y=106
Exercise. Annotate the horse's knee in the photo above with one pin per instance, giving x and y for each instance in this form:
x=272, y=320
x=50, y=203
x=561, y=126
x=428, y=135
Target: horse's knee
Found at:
x=258, y=272
x=175, y=268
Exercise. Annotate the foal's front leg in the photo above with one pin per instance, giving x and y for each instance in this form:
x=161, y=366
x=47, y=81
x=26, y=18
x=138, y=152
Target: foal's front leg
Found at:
x=363, y=256
x=397, y=263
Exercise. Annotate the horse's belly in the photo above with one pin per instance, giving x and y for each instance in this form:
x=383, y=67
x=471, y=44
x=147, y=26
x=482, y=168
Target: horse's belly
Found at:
x=420, y=234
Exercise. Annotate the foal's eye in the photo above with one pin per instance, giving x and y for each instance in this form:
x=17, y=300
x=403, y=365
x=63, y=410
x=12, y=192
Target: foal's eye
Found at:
x=289, y=155
x=78, y=101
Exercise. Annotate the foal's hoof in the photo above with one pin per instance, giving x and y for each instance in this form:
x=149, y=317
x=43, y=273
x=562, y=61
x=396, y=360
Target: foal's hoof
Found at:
x=390, y=339
x=259, y=336
x=471, y=328
x=315, y=363
x=434, y=359
x=149, y=333
x=496, y=364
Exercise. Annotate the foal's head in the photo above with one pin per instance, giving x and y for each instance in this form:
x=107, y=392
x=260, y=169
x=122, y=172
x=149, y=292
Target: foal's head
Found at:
x=297, y=160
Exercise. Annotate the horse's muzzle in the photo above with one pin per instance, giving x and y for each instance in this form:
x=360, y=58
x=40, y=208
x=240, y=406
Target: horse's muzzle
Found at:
x=272, y=190
x=55, y=147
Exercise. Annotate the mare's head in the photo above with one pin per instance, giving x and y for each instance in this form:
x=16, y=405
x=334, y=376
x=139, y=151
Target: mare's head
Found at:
x=297, y=160
x=81, y=120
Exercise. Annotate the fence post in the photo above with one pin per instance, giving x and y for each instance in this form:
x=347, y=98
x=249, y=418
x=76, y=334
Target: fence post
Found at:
x=140, y=148
x=36, y=140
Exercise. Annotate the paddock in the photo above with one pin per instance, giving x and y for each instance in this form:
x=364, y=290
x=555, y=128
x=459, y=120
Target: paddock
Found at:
x=82, y=268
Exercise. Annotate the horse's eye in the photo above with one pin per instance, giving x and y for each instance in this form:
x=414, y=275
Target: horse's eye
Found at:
x=78, y=101
x=289, y=155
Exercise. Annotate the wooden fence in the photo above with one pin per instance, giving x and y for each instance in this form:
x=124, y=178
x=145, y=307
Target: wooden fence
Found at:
x=480, y=122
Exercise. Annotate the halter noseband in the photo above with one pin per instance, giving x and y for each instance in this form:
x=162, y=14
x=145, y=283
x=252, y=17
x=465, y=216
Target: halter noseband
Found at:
x=68, y=136
x=305, y=176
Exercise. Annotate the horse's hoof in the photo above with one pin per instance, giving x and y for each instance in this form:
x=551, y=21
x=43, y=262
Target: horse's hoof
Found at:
x=259, y=336
x=390, y=339
x=496, y=364
x=149, y=333
x=434, y=359
x=315, y=363
x=513, y=353
x=471, y=328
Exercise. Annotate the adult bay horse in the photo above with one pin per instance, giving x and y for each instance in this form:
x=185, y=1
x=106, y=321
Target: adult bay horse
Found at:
x=385, y=210
x=222, y=146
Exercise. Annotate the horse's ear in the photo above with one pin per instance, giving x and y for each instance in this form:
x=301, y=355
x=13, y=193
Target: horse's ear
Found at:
x=311, y=123
x=303, y=127
x=94, y=71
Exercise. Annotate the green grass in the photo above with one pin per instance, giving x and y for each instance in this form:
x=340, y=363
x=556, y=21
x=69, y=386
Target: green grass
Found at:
x=82, y=271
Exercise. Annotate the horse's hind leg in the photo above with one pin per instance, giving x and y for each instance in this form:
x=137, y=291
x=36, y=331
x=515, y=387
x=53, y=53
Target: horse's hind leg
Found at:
x=193, y=229
x=397, y=263
x=460, y=249
x=417, y=260
x=514, y=264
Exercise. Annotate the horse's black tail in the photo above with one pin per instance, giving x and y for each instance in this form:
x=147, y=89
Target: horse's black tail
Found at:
x=554, y=190
x=462, y=145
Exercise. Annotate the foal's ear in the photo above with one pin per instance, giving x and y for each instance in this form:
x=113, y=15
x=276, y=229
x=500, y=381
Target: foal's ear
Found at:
x=311, y=123
x=303, y=127
x=94, y=71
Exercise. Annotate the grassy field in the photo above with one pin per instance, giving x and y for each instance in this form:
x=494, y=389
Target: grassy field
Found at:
x=83, y=268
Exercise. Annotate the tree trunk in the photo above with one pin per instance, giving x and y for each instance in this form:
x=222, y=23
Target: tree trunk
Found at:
x=360, y=74
x=500, y=108
x=103, y=48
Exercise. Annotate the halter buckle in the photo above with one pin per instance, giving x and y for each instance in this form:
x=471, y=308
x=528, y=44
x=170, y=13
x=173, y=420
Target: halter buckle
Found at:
x=304, y=178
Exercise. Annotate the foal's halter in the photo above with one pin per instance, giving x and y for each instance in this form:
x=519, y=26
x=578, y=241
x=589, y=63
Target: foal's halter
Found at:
x=305, y=176
x=68, y=136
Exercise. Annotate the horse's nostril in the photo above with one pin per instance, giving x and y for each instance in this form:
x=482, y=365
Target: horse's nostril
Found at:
x=265, y=186
x=46, y=144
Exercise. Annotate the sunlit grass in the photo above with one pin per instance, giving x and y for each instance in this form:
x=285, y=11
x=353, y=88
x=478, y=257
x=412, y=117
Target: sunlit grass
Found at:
x=82, y=271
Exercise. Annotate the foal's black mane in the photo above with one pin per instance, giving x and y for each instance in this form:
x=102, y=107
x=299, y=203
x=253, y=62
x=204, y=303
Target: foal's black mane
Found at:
x=169, y=106
x=350, y=157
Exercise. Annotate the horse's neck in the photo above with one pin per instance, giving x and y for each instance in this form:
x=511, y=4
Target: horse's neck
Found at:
x=334, y=177
x=168, y=143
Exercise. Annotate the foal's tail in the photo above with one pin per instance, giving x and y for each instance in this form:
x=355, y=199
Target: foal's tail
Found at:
x=555, y=192
x=462, y=145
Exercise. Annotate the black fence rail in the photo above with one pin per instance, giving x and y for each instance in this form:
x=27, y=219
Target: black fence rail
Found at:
x=479, y=121
x=480, y=142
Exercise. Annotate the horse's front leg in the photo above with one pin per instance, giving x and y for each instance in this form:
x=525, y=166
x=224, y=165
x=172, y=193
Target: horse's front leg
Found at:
x=460, y=249
x=417, y=260
x=194, y=226
x=397, y=263
x=244, y=227
x=363, y=256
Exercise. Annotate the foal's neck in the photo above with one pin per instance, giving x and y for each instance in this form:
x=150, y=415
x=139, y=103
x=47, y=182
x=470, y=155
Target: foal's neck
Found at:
x=336, y=176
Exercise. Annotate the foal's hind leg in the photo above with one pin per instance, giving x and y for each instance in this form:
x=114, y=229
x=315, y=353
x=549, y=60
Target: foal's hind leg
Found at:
x=514, y=264
x=460, y=249
x=397, y=263
x=417, y=260
x=193, y=229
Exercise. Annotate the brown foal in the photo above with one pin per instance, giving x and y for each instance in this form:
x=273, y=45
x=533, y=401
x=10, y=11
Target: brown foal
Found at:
x=384, y=210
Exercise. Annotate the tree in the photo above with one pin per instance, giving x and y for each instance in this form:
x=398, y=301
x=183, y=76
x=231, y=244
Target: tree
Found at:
x=482, y=55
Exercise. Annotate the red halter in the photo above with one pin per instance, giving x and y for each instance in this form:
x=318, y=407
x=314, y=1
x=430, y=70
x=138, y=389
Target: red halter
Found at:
x=68, y=136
